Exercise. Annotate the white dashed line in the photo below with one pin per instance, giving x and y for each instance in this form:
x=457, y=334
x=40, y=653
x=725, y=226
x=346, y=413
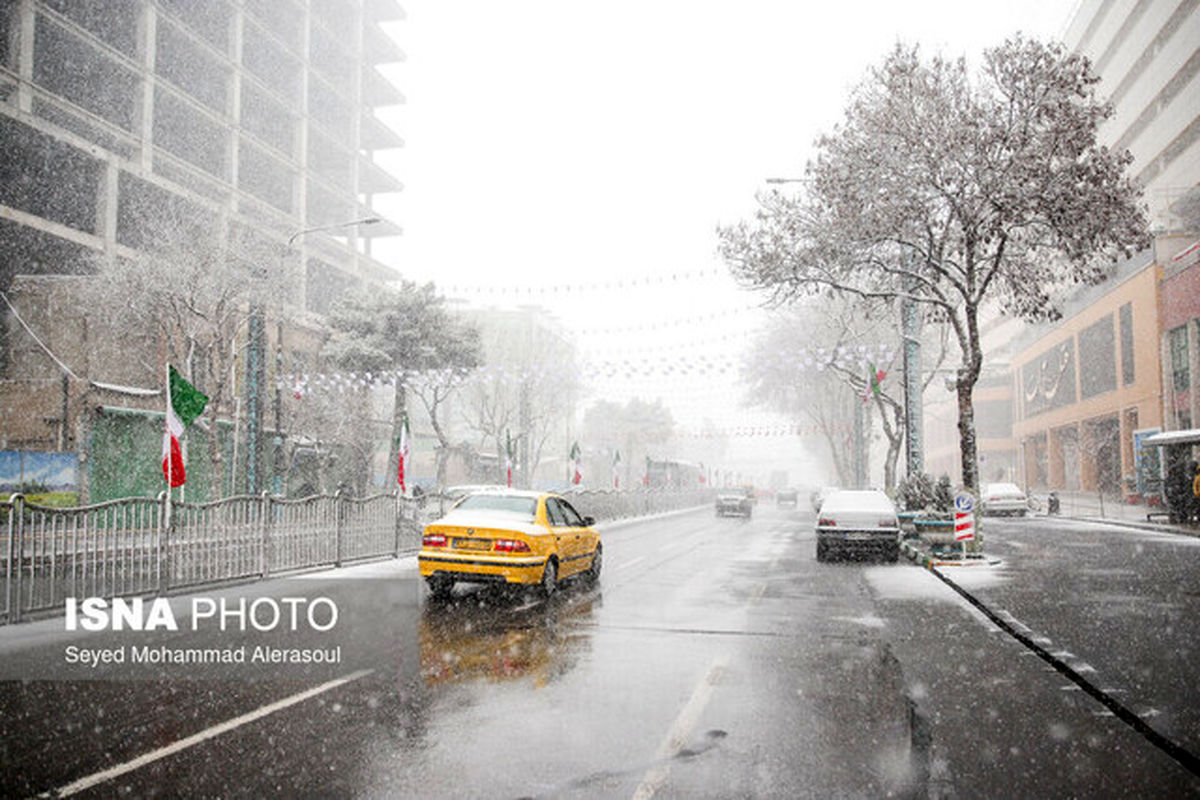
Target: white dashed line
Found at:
x=680, y=731
x=204, y=735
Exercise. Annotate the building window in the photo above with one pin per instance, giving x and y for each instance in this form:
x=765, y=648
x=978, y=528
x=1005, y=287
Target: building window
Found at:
x=1127, y=369
x=1097, y=349
x=1177, y=343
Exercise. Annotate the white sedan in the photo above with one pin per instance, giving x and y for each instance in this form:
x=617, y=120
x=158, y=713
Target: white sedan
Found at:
x=858, y=520
x=1004, y=498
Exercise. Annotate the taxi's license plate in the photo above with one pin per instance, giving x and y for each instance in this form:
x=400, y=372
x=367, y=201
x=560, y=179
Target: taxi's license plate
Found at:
x=473, y=544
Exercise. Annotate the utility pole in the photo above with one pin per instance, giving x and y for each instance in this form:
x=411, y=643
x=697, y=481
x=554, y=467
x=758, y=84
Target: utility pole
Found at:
x=860, y=445
x=914, y=433
x=255, y=375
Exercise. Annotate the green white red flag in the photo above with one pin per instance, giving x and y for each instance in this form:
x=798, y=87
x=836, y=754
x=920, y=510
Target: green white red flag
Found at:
x=576, y=471
x=616, y=469
x=402, y=452
x=184, y=404
x=874, y=381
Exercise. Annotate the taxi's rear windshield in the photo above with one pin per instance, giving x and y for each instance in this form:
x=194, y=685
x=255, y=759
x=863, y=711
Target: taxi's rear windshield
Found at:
x=520, y=506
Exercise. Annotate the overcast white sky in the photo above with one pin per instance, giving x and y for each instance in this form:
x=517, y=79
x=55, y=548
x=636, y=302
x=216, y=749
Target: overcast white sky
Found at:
x=559, y=143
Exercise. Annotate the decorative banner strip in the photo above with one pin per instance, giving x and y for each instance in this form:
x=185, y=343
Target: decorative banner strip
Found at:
x=700, y=365
x=617, y=284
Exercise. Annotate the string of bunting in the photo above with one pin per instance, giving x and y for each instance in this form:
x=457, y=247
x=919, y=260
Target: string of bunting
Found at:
x=616, y=284
x=702, y=364
x=749, y=431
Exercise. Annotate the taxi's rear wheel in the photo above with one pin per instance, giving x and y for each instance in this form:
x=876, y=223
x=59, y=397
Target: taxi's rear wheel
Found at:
x=440, y=587
x=593, y=573
x=549, y=578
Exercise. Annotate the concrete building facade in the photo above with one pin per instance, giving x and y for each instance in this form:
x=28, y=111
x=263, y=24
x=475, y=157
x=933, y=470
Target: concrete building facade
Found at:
x=1088, y=387
x=249, y=121
x=1147, y=54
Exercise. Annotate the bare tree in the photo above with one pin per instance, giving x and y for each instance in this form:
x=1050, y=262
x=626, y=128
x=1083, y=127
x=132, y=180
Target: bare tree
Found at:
x=190, y=287
x=633, y=429
x=409, y=333
x=527, y=389
x=955, y=191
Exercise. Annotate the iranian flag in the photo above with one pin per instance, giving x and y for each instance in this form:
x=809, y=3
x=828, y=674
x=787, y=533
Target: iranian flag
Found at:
x=576, y=473
x=508, y=457
x=616, y=469
x=873, y=381
x=184, y=404
x=402, y=452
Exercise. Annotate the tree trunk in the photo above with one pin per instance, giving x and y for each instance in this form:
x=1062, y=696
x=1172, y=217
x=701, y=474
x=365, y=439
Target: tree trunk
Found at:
x=895, y=437
x=966, y=435
x=839, y=463
x=216, y=456
x=968, y=376
x=443, y=450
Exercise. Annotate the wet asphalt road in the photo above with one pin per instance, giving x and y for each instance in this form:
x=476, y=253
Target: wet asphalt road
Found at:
x=715, y=658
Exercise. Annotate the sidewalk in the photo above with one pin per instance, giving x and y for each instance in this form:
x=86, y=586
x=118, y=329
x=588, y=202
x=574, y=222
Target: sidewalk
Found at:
x=1077, y=506
x=1094, y=508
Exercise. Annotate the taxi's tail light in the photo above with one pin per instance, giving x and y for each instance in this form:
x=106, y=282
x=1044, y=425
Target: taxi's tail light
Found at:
x=510, y=546
x=433, y=540
x=827, y=522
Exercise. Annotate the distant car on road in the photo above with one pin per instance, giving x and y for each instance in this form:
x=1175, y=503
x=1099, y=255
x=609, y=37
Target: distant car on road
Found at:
x=737, y=502
x=787, y=497
x=1004, y=498
x=858, y=520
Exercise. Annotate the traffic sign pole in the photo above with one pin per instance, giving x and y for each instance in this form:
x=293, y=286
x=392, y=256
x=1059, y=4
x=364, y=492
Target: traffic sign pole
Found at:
x=964, y=519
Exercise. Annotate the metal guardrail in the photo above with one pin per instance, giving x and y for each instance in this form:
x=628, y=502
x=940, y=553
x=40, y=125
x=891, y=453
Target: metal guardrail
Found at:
x=138, y=546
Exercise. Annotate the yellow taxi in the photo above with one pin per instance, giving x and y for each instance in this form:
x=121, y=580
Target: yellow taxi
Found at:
x=511, y=537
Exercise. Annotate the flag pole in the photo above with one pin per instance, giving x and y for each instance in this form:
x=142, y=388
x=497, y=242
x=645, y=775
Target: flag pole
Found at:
x=166, y=435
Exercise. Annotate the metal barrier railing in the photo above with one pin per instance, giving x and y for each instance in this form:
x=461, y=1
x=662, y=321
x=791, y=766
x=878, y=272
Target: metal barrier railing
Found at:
x=611, y=504
x=140, y=546
x=134, y=546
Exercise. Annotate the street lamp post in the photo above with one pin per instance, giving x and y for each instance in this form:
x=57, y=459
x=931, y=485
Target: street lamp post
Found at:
x=914, y=429
x=256, y=371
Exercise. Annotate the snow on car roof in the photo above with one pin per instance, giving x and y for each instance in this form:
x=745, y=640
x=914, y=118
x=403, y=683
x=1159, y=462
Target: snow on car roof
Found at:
x=858, y=499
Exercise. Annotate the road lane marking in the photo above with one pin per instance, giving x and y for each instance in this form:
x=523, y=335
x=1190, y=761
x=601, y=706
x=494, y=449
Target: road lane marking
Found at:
x=680, y=731
x=204, y=735
x=631, y=562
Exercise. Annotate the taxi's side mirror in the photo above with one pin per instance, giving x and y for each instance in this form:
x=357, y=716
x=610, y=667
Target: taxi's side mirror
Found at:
x=589, y=521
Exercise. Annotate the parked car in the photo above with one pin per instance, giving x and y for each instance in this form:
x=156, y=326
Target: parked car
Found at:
x=737, y=502
x=858, y=520
x=819, y=496
x=787, y=497
x=1003, y=498
x=512, y=537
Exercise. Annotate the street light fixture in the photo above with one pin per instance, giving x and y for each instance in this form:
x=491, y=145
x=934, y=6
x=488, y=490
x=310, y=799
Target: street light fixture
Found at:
x=255, y=369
